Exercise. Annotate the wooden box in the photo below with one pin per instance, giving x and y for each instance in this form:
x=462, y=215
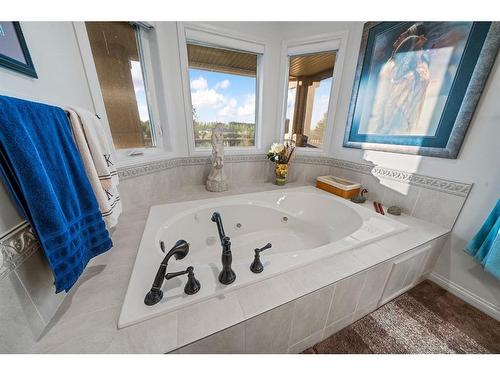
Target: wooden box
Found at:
x=338, y=186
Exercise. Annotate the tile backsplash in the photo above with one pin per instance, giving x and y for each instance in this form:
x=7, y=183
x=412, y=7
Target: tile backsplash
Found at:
x=24, y=273
x=416, y=194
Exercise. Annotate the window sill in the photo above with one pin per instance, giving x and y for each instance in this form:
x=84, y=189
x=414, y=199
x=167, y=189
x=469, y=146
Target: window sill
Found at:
x=124, y=161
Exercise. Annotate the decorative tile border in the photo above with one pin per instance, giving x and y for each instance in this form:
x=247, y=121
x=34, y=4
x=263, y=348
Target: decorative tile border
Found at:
x=19, y=243
x=434, y=183
x=15, y=247
x=153, y=167
x=157, y=166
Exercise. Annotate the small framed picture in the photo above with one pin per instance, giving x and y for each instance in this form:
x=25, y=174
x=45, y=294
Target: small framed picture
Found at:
x=14, y=52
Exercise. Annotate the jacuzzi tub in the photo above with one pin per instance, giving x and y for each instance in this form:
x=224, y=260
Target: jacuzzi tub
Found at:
x=302, y=224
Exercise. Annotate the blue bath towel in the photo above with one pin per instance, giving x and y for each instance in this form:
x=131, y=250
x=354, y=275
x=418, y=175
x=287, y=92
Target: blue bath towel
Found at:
x=485, y=246
x=44, y=174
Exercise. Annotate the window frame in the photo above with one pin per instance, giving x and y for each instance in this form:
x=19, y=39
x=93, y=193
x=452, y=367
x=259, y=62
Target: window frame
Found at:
x=337, y=42
x=123, y=157
x=217, y=37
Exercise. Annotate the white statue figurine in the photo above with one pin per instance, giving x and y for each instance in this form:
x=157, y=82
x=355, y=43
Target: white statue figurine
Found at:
x=217, y=180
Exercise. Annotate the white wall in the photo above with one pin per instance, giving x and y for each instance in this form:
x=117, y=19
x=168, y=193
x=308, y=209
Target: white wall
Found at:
x=478, y=162
x=9, y=216
x=61, y=81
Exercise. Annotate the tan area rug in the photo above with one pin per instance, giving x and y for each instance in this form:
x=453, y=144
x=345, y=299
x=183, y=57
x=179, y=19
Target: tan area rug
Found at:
x=425, y=320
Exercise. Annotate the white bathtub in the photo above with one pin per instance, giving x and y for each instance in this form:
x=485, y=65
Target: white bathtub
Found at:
x=303, y=224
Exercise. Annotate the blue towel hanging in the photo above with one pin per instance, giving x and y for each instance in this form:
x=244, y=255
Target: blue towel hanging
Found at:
x=44, y=174
x=485, y=245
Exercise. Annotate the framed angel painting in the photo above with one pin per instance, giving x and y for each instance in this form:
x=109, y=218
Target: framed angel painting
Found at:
x=417, y=85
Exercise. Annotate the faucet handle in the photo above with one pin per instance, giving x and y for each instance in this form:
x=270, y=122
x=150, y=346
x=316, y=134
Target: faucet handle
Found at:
x=192, y=285
x=257, y=266
x=171, y=275
x=268, y=246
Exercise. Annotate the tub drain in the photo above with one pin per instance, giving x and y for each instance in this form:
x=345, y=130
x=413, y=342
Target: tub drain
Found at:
x=238, y=225
x=284, y=219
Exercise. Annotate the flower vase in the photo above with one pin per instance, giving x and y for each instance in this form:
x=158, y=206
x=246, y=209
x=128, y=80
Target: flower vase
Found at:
x=280, y=171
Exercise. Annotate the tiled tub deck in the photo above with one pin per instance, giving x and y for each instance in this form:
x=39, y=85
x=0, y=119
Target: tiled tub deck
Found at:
x=282, y=314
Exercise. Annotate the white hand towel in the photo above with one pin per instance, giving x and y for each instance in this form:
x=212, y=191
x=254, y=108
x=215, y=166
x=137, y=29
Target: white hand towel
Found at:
x=94, y=148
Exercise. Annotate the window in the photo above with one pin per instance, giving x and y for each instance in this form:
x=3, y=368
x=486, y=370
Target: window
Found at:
x=223, y=86
x=309, y=85
x=117, y=57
